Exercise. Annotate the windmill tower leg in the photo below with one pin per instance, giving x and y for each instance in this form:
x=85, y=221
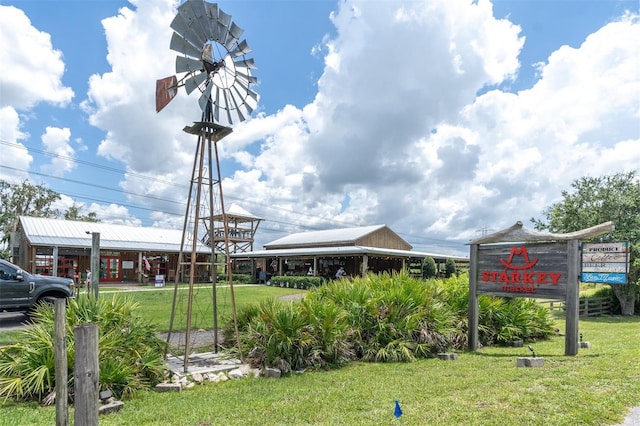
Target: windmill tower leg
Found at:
x=205, y=196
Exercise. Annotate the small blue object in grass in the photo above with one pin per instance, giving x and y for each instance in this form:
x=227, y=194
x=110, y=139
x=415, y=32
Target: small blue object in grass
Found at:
x=398, y=411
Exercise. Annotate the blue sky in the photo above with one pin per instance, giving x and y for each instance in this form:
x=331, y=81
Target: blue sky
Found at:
x=437, y=118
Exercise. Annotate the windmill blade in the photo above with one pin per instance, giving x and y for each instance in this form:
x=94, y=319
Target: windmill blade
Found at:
x=200, y=13
x=216, y=109
x=253, y=95
x=187, y=65
x=238, y=104
x=212, y=19
x=188, y=12
x=205, y=98
x=194, y=81
x=247, y=77
x=224, y=19
x=235, y=31
x=181, y=45
x=246, y=63
x=186, y=30
x=240, y=85
x=234, y=34
x=251, y=101
x=241, y=49
x=227, y=109
x=166, y=90
x=223, y=26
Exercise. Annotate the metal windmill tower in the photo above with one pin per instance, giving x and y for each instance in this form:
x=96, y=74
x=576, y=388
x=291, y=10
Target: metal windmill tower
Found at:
x=214, y=62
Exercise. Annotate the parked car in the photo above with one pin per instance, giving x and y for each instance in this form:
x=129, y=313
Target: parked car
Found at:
x=21, y=291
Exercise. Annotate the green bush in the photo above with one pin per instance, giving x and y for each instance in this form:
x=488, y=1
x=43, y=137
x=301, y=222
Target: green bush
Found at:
x=429, y=268
x=380, y=318
x=301, y=282
x=500, y=320
x=449, y=268
x=243, y=278
x=131, y=356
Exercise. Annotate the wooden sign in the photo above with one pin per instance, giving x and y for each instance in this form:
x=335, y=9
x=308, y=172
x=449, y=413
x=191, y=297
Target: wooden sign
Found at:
x=523, y=270
x=605, y=263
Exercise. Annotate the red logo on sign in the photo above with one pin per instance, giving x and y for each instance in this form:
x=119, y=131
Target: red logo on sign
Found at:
x=522, y=251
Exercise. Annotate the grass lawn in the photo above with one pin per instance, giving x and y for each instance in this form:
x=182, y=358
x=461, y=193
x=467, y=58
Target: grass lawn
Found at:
x=156, y=303
x=596, y=387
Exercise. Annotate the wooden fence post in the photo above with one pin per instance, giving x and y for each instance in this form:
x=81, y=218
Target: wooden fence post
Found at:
x=86, y=375
x=60, y=351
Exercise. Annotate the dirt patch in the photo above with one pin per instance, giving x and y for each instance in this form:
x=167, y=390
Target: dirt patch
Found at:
x=292, y=297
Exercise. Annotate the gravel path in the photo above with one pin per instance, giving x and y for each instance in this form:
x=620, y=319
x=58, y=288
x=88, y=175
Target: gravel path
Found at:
x=633, y=419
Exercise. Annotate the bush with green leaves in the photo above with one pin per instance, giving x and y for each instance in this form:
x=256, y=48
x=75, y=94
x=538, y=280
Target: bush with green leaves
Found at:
x=429, y=268
x=241, y=278
x=131, y=356
x=380, y=318
x=301, y=282
x=500, y=320
x=376, y=318
x=450, y=268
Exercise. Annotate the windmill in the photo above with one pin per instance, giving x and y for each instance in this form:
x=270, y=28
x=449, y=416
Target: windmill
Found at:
x=214, y=63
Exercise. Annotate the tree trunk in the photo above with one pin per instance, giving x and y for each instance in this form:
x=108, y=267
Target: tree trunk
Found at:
x=626, y=295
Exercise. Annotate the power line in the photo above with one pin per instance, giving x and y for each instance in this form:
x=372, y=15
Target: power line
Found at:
x=181, y=203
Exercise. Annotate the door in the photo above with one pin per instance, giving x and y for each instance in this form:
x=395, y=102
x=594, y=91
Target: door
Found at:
x=110, y=269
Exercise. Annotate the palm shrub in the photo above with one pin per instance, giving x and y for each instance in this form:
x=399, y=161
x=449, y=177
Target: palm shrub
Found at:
x=131, y=356
x=277, y=335
x=375, y=318
x=500, y=320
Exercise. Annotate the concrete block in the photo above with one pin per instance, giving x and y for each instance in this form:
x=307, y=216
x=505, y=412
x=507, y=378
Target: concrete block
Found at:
x=272, y=372
x=168, y=387
x=448, y=356
x=111, y=407
x=530, y=362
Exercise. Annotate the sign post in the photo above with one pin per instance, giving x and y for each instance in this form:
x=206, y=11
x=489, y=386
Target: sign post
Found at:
x=531, y=264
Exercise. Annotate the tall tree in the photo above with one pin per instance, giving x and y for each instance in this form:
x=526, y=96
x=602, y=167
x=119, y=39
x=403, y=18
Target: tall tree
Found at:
x=19, y=200
x=594, y=200
x=75, y=213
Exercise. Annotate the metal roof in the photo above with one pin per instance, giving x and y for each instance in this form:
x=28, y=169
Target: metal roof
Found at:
x=238, y=214
x=329, y=236
x=41, y=231
x=342, y=251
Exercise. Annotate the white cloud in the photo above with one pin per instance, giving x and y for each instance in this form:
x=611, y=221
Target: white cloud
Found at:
x=15, y=159
x=56, y=143
x=32, y=69
x=580, y=118
x=397, y=133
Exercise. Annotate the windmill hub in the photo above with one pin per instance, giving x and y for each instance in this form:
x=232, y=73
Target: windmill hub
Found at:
x=213, y=68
